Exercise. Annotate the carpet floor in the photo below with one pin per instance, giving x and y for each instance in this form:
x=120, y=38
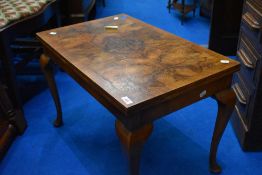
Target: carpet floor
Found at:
x=87, y=143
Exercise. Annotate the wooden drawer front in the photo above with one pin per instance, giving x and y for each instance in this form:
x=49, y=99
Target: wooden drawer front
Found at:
x=252, y=18
x=249, y=60
x=243, y=94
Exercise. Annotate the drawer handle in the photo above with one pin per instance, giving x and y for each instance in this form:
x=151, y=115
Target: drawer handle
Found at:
x=254, y=8
x=251, y=21
x=243, y=57
x=249, y=46
x=240, y=96
x=241, y=118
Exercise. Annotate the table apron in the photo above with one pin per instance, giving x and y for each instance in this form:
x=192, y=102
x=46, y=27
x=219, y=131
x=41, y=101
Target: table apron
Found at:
x=139, y=118
x=172, y=104
x=94, y=90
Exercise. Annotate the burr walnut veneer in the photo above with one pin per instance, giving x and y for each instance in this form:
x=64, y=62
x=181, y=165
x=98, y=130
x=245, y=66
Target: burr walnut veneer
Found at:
x=140, y=73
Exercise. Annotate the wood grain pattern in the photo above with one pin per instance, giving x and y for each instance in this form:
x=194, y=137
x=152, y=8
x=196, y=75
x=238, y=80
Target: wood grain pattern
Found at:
x=138, y=60
x=157, y=71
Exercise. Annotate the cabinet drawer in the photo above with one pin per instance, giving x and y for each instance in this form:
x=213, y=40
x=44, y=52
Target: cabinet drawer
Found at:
x=252, y=18
x=256, y=3
x=249, y=60
x=243, y=94
x=237, y=114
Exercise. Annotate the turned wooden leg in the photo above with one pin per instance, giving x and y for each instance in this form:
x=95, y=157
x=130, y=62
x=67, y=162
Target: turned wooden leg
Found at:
x=226, y=101
x=133, y=143
x=47, y=68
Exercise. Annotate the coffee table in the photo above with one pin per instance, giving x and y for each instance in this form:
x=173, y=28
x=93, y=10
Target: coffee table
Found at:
x=140, y=73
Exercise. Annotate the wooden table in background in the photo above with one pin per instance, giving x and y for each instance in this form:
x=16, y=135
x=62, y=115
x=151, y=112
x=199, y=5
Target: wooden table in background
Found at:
x=140, y=73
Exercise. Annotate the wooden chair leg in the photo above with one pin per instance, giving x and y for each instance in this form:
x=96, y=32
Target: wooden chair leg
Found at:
x=48, y=71
x=195, y=6
x=226, y=101
x=194, y=12
x=182, y=19
x=9, y=73
x=133, y=142
x=183, y=12
x=169, y=5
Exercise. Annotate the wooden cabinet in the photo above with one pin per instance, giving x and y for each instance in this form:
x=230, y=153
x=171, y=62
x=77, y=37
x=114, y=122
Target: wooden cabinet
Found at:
x=75, y=11
x=225, y=25
x=247, y=116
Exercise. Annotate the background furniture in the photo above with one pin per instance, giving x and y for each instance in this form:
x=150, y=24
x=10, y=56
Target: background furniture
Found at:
x=75, y=11
x=247, y=116
x=183, y=7
x=11, y=122
x=24, y=18
x=206, y=8
x=225, y=25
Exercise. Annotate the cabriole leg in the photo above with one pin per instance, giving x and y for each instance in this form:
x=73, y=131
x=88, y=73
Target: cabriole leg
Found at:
x=48, y=69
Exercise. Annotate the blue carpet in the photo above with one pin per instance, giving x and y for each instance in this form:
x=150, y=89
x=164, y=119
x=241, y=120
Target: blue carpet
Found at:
x=87, y=143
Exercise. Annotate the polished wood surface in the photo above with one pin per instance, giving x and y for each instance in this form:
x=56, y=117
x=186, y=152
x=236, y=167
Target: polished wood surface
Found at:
x=138, y=60
x=140, y=73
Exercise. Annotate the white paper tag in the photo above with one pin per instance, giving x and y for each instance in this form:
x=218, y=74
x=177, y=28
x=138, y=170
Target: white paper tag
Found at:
x=203, y=93
x=224, y=61
x=127, y=100
x=116, y=18
x=52, y=33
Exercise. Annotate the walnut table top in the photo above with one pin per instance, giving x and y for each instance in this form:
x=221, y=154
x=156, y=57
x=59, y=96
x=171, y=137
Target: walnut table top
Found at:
x=140, y=73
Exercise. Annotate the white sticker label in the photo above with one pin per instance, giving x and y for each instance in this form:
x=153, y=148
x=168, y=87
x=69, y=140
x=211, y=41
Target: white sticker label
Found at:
x=111, y=27
x=203, y=93
x=52, y=33
x=224, y=61
x=116, y=18
x=127, y=100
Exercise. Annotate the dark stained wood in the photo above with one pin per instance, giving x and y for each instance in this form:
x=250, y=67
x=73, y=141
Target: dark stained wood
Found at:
x=183, y=7
x=6, y=139
x=225, y=25
x=74, y=11
x=205, y=8
x=246, y=118
x=48, y=70
x=7, y=36
x=11, y=123
x=157, y=71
